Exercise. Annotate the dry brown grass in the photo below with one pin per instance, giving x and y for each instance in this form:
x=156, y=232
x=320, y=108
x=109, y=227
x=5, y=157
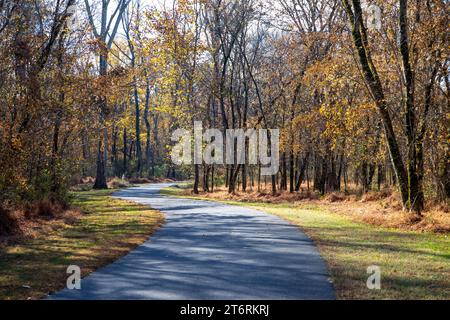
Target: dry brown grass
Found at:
x=335, y=197
x=86, y=180
x=139, y=180
x=376, y=208
x=378, y=214
x=117, y=183
x=148, y=180
x=264, y=196
x=33, y=220
x=86, y=184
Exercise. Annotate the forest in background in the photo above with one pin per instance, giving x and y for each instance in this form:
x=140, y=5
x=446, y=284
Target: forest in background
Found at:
x=360, y=107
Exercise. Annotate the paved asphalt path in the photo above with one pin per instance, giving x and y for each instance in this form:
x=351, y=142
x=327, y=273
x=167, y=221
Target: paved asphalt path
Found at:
x=210, y=251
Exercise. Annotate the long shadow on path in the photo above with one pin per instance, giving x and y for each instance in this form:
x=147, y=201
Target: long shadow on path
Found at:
x=211, y=251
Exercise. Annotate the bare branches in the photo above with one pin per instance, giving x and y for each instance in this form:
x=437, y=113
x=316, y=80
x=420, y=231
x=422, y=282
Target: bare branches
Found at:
x=58, y=23
x=7, y=9
x=109, y=23
x=91, y=18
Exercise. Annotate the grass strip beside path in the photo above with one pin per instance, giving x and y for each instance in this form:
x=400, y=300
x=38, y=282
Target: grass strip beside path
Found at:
x=108, y=229
x=413, y=265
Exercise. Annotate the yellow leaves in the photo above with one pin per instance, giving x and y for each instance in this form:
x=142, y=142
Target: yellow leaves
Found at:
x=343, y=120
x=16, y=143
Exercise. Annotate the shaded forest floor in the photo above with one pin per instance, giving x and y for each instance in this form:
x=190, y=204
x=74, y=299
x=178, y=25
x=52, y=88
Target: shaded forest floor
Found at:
x=414, y=264
x=100, y=230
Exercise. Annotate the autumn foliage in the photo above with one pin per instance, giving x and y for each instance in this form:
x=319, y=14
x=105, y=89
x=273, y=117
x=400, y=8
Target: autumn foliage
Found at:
x=359, y=109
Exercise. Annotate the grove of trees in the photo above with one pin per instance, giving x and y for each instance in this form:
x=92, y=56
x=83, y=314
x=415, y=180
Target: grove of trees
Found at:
x=360, y=103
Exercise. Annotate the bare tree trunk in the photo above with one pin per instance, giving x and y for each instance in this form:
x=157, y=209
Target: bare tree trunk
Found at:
x=244, y=178
x=259, y=178
x=196, y=178
x=100, y=178
x=374, y=84
x=148, y=147
x=138, y=129
x=301, y=174
x=292, y=172
x=100, y=181
x=212, y=178
x=125, y=152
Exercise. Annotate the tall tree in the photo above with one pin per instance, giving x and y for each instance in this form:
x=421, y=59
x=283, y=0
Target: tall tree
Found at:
x=408, y=168
x=109, y=24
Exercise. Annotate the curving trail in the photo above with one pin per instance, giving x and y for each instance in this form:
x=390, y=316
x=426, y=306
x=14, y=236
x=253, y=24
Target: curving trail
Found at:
x=210, y=251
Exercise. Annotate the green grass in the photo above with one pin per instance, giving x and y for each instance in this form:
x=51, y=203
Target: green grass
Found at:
x=413, y=265
x=109, y=229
